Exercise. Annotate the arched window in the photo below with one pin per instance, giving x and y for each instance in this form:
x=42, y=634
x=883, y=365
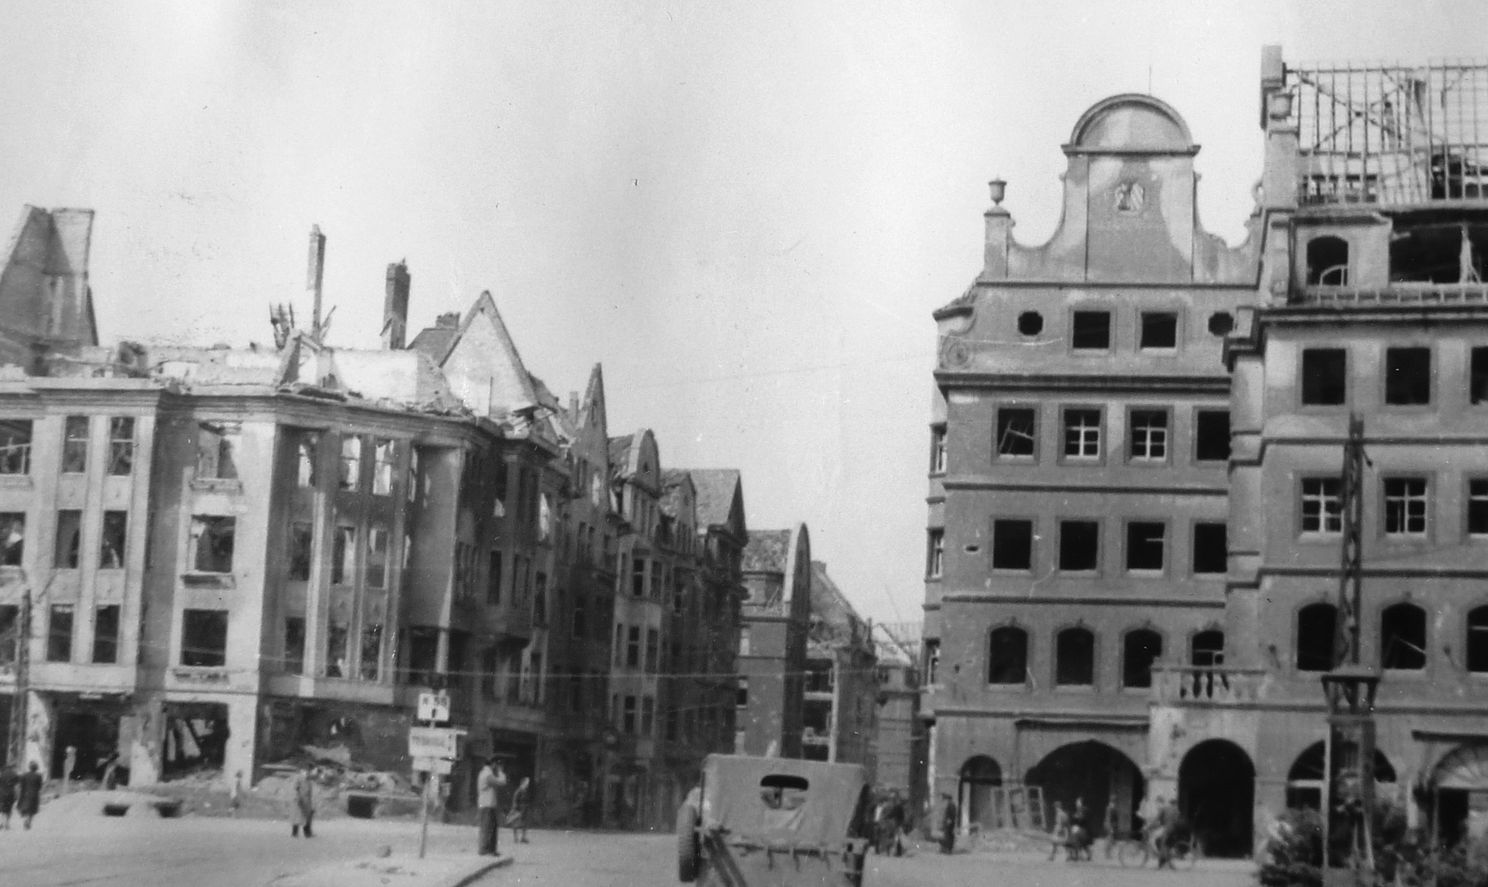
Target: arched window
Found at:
x=1074, y=658
x=1007, y=656
x=1327, y=261
x=1477, y=640
x=1315, y=627
x=1207, y=648
x=1403, y=637
x=1139, y=650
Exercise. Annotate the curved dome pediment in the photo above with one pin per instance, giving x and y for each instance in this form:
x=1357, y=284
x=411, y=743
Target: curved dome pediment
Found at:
x=1131, y=122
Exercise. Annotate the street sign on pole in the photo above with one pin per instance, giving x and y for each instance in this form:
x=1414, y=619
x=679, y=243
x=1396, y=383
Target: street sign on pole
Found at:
x=434, y=707
x=438, y=766
x=433, y=742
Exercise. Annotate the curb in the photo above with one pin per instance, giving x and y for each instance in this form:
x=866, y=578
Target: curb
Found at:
x=469, y=876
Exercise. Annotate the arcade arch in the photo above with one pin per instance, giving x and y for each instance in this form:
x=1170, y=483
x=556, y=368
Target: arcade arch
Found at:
x=1216, y=794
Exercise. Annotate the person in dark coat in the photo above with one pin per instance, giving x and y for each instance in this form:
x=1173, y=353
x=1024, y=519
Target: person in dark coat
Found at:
x=949, y=818
x=9, y=780
x=28, y=795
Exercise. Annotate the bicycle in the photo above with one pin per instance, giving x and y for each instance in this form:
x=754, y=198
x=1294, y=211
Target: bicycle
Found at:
x=1135, y=853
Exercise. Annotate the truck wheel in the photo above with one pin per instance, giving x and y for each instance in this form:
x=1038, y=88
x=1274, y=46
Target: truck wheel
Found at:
x=687, y=843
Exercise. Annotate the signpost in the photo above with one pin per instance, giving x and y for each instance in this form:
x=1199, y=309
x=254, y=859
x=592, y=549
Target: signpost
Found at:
x=433, y=749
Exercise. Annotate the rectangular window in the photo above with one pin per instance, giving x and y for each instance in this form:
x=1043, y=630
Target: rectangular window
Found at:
x=1477, y=508
x=75, y=445
x=377, y=556
x=15, y=446
x=633, y=647
x=384, y=454
x=121, y=445
x=106, y=634
x=648, y=715
x=1012, y=545
x=653, y=650
x=301, y=544
x=1210, y=549
x=1091, y=331
x=1016, y=432
x=1324, y=376
x=540, y=599
x=1159, y=330
x=579, y=628
x=619, y=644
x=937, y=449
x=343, y=556
x=1212, y=435
x=10, y=616
x=12, y=538
x=294, y=644
x=204, y=638
x=371, y=663
x=307, y=449
x=350, y=474
x=1322, y=505
x=638, y=577
x=628, y=718
x=1079, y=545
x=1408, y=376
x=213, y=535
x=59, y=633
x=493, y=580
x=1145, y=544
x=111, y=545
x=1405, y=506
x=1478, y=380
x=338, y=651
x=216, y=451
x=69, y=537
x=1149, y=435
x=537, y=679
x=1082, y=433
x=935, y=553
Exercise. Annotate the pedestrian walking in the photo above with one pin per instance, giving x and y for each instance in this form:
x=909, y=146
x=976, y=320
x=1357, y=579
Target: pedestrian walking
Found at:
x=1061, y=829
x=1110, y=824
x=28, y=794
x=516, y=816
x=949, y=817
x=9, y=780
x=301, y=803
x=894, y=818
x=235, y=794
x=491, y=779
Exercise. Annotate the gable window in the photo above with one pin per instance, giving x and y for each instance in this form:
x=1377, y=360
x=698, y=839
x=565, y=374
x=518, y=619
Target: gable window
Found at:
x=1408, y=376
x=1324, y=376
x=59, y=633
x=204, y=638
x=1079, y=545
x=111, y=545
x=1091, y=331
x=121, y=445
x=1322, y=505
x=1206, y=649
x=1145, y=541
x=1012, y=545
x=1007, y=656
x=106, y=634
x=1405, y=506
x=1159, y=330
x=12, y=538
x=75, y=445
x=1212, y=435
x=15, y=446
x=1082, y=433
x=935, y=553
x=1477, y=640
x=1477, y=388
x=1327, y=261
x=1149, y=435
x=213, y=539
x=1403, y=637
x=1316, y=624
x=937, y=449
x=1015, y=431
x=69, y=538
x=1074, y=658
x=1210, y=548
x=1140, y=650
x=216, y=451
x=350, y=476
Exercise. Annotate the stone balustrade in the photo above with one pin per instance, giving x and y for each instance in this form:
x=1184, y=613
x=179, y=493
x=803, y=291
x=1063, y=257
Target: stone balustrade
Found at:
x=1206, y=684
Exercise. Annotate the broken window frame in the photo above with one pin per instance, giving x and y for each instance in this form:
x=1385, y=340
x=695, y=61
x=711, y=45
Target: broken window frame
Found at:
x=1319, y=506
x=343, y=554
x=349, y=464
x=1141, y=544
x=213, y=540
x=75, y=433
x=1333, y=250
x=1403, y=637
x=1017, y=433
x=379, y=537
x=1149, y=431
x=216, y=446
x=1082, y=433
x=121, y=445
x=106, y=625
x=1407, y=507
x=1206, y=648
x=204, y=633
x=67, y=553
x=1407, y=383
x=61, y=623
x=16, y=436
x=12, y=538
x=113, y=540
x=1074, y=657
x=307, y=459
x=384, y=461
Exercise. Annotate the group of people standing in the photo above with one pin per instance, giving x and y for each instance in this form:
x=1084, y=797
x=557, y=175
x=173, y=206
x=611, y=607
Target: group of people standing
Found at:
x=20, y=792
x=889, y=824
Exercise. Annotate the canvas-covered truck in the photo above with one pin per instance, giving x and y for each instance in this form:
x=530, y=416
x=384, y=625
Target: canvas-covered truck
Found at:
x=774, y=822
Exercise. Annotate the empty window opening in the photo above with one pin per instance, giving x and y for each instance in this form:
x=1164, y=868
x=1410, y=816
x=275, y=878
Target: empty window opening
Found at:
x=1030, y=323
x=301, y=540
x=1477, y=640
x=932, y=656
x=1212, y=436
x=1159, y=330
x=1477, y=507
x=59, y=633
x=1324, y=376
x=1145, y=541
x=1082, y=433
x=1012, y=545
x=12, y=538
x=1092, y=330
x=213, y=539
x=377, y=556
x=204, y=638
x=75, y=445
x=111, y=544
x=106, y=634
x=1220, y=323
x=343, y=555
x=1140, y=650
x=937, y=449
x=307, y=448
x=1327, y=261
x=10, y=632
x=1210, y=549
x=1408, y=376
x=1015, y=431
x=1316, y=626
x=294, y=644
x=15, y=446
x=1149, y=435
x=1074, y=658
x=1437, y=250
x=1206, y=648
x=69, y=537
x=1007, y=655
x=217, y=447
x=633, y=646
x=371, y=653
x=1079, y=545
x=1478, y=380
x=121, y=445
x=1403, y=637
x=1405, y=506
x=1322, y=505
x=384, y=456
x=350, y=476
x=935, y=554
x=338, y=650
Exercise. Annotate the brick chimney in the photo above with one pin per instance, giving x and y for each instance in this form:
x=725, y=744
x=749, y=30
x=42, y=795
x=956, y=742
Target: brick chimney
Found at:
x=395, y=307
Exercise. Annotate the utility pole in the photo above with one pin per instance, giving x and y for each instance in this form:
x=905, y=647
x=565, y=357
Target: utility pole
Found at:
x=16, y=738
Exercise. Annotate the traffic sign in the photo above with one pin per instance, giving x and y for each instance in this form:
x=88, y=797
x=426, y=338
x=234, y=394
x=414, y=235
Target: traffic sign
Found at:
x=433, y=707
x=440, y=766
x=433, y=742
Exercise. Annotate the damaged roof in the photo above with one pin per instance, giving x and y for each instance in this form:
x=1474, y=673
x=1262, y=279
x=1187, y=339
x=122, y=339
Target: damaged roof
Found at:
x=766, y=551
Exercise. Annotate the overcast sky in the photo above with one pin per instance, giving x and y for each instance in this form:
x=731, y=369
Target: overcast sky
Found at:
x=745, y=211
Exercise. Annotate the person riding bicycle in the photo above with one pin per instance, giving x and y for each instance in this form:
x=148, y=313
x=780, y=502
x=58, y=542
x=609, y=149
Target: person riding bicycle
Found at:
x=1163, y=830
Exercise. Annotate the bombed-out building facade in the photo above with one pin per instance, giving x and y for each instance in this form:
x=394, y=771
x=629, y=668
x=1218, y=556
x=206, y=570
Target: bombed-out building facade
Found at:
x=1136, y=502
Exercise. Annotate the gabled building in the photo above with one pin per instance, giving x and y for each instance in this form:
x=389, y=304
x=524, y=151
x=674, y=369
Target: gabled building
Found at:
x=46, y=302
x=773, y=632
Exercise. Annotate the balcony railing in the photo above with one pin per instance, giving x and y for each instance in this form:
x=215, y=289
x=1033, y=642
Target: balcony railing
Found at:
x=1206, y=684
x=1394, y=294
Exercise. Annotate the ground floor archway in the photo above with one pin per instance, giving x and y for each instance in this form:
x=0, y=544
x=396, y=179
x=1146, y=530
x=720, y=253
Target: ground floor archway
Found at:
x=1460, y=794
x=980, y=777
x=1216, y=795
x=1091, y=774
x=1305, y=778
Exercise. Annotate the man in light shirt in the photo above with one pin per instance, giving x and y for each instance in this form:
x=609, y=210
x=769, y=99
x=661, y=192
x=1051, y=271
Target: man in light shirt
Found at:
x=491, y=778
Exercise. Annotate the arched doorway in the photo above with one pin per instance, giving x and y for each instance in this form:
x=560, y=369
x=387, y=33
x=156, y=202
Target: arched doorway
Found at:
x=1216, y=793
x=1094, y=773
x=1460, y=805
x=979, y=776
x=1305, y=779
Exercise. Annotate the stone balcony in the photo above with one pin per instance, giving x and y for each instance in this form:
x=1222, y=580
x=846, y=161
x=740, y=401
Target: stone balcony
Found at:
x=1405, y=294
x=1180, y=685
